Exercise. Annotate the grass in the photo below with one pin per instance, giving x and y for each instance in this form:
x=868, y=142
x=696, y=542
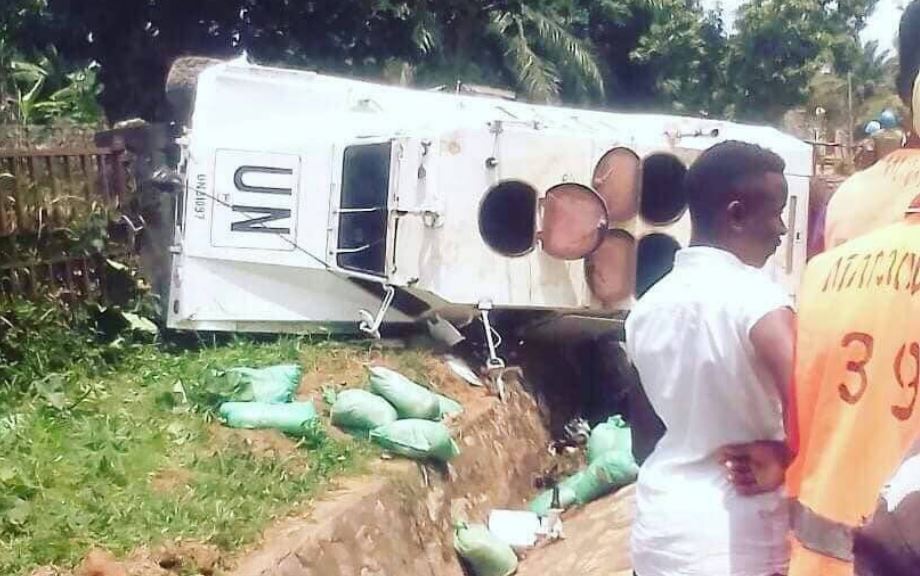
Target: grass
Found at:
x=114, y=461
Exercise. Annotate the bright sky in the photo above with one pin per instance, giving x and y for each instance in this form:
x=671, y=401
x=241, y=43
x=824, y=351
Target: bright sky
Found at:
x=883, y=24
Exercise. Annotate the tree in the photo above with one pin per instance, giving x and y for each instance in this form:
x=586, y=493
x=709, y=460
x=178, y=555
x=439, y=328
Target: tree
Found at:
x=872, y=72
x=669, y=55
x=685, y=46
x=872, y=81
x=527, y=45
x=781, y=44
x=614, y=28
x=524, y=35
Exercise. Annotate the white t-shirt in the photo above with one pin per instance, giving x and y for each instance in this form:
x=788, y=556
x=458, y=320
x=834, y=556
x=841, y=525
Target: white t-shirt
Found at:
x=689, y=338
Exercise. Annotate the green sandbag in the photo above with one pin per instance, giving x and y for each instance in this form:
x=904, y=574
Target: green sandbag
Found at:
x=288, y=418
x=417, y=439
x=275, y=384
x=610, y=436
x=361, y=411
x=544, y=501
x=409, y=399
x=610, y=471
x=448, y=406
x=485, y=554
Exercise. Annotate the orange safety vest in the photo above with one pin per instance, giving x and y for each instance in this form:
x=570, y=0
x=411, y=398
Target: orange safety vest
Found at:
x=873, y=198
x=857, y=376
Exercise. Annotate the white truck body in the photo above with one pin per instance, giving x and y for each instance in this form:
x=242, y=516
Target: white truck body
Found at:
x=304, y=192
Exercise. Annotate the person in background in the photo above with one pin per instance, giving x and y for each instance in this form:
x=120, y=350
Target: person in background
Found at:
x=712, y=344
x=864, y=156
x=877, y=196
x=889, y=138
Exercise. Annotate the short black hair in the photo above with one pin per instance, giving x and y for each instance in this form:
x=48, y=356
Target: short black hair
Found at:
x=712, y=181
x=909, y=52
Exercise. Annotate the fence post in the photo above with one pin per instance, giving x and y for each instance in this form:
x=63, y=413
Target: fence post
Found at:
x=17, y=194
x=3, y=222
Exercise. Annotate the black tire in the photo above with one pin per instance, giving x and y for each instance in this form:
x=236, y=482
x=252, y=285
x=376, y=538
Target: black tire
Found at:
x=181, y=83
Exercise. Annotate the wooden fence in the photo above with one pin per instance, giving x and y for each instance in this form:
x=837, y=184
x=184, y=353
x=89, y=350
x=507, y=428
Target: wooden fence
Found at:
x=52, y=188
x=50, y=200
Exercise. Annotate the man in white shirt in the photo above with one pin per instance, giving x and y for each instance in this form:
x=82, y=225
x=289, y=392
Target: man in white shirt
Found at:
x=712, y=342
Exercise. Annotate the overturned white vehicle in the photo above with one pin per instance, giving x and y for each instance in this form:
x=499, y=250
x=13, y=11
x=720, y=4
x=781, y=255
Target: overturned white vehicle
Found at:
x=312, y=201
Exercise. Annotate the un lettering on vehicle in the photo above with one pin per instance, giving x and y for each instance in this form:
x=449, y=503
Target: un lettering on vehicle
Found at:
x=255, y=200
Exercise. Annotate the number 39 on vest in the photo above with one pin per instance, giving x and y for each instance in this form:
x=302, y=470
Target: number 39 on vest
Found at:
x=856, y=385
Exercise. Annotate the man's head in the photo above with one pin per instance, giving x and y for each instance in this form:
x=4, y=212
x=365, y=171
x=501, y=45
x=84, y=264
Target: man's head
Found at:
x=909, y=53
x=737, y=193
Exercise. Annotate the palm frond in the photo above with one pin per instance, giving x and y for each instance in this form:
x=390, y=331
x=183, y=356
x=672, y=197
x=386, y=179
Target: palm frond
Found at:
x=560, y=42
x=29, y=72
x=657, y=4
x=426, y=35
x=537, y=77
x=500, y=22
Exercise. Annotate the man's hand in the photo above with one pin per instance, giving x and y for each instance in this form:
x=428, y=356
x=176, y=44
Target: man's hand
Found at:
x=757, y=467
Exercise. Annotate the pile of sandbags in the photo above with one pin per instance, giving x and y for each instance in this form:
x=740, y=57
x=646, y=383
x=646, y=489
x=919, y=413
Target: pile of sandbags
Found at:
x=610, y=466
x=399, y=415
x=254, y=398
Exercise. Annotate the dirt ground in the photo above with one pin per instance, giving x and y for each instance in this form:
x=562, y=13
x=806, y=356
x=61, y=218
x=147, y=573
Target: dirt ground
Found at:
x=596, y=544
x=167, y=560
x=596, y=541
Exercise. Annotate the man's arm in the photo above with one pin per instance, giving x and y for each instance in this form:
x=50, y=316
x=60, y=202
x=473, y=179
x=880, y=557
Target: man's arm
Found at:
x=760, y=466
x=773, y=338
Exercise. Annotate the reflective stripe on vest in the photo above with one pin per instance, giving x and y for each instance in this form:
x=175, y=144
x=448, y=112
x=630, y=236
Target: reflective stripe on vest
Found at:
x=820, y=534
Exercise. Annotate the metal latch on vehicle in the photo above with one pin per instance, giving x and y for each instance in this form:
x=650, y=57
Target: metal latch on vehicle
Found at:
x=370, y=323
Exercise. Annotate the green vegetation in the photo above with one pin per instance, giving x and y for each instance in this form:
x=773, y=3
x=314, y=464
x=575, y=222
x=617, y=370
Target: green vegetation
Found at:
x=871, y=83
x=109, y=438
x=661, y=55
x=53, y=341
x=118, y=458
x=47, y=89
